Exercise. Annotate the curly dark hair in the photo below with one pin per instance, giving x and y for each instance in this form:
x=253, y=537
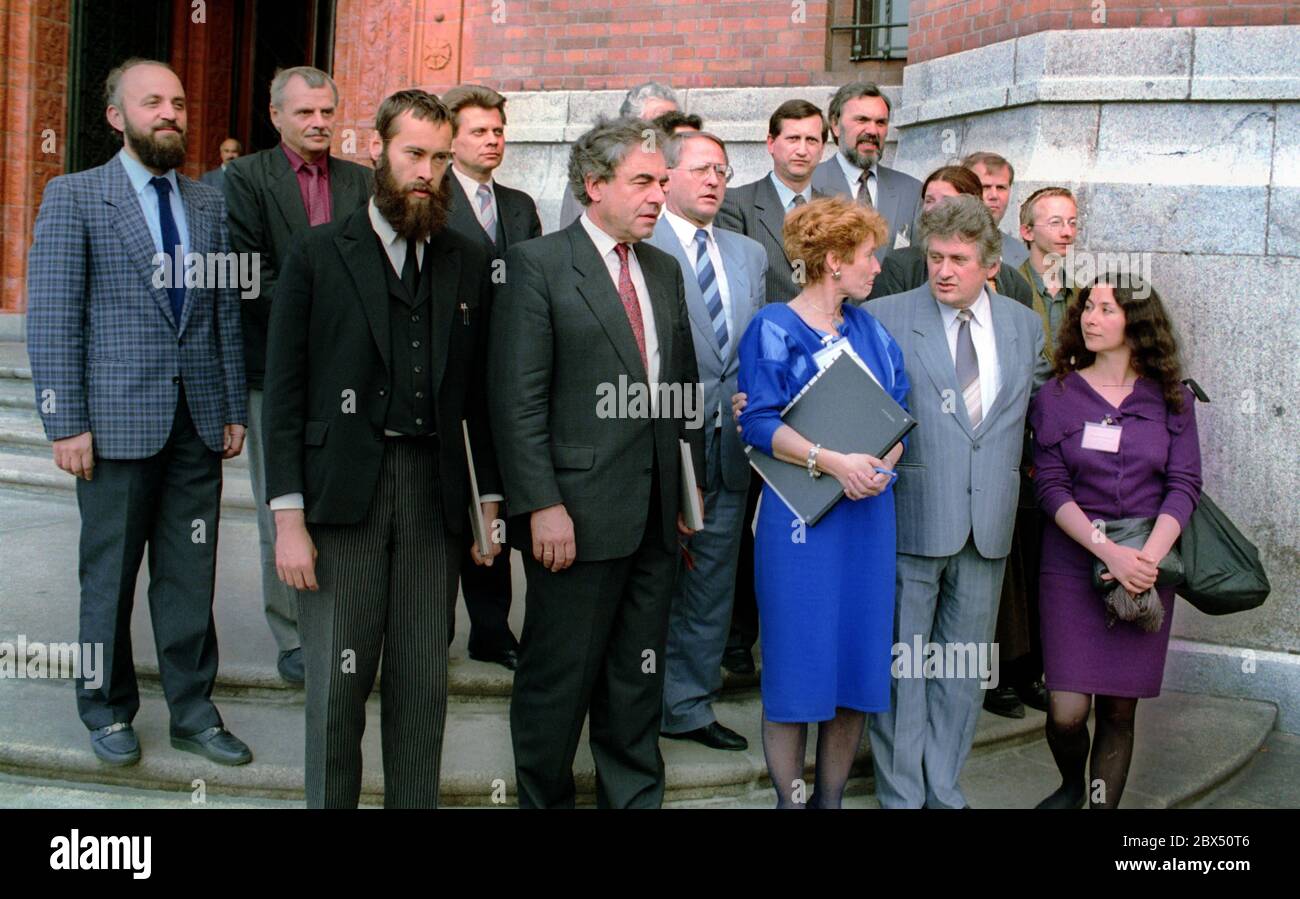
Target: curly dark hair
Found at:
x=1147, y=330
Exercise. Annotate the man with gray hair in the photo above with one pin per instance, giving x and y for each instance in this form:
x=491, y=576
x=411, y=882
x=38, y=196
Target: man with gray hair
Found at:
x=645, y=101
x=974, y=359
x=593, y=484
x=272, y=197
x=859, y=118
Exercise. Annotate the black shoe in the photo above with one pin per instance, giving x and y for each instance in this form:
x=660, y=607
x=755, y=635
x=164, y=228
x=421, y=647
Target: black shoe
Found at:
x=290, y=667
x=1033, y=694
x=738, y=661
x=215, y=744
x=116, y=744
x=1004, y=701
x=1065, y=797
x=714, y=736
x=506, y=658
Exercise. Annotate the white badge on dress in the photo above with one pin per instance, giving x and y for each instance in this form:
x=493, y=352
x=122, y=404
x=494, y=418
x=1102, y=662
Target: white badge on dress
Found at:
x=1103, y=437
x=900, y=239
x=832, y=346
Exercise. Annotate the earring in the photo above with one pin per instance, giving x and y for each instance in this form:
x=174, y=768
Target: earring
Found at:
x=835, y=275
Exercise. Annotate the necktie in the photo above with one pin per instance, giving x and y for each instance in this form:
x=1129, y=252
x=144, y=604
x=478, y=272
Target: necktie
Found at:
x=627, y=293
x=171, y=245
x=317, y=209
x=797, y=202
x=968, y=370
x=486, y=214
x=709, y=288
x=864, y=193
x=411, y=270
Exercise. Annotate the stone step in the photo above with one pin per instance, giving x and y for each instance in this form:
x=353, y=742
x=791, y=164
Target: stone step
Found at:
x=1188, y=747
x=47, y=740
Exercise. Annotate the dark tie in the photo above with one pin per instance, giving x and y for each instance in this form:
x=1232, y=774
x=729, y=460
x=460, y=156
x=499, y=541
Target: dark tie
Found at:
x=798, y=201
x=411, y=270
x=968, y=370
x=709, y=288
x=171, y=244
x=317, y=209
x=627, y=293
x=864, y=195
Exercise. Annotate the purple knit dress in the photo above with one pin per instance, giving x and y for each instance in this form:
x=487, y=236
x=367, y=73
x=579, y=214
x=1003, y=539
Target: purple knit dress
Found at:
x=1157, y=470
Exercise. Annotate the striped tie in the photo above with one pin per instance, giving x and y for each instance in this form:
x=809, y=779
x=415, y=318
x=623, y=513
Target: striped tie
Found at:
x=709, y=288
x=864, y=192
x=968, y=370
x=486, y=214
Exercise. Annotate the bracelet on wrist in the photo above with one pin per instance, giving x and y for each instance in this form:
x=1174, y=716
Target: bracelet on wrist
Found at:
x=812, y=461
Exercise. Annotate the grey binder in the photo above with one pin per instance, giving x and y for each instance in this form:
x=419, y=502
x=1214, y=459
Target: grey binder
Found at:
x=844, y=409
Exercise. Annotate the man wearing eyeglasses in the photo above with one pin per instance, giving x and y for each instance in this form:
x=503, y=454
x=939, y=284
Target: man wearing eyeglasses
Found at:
x=725, y=277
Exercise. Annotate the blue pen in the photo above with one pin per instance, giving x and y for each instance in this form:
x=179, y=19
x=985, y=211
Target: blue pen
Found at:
x=892, y=474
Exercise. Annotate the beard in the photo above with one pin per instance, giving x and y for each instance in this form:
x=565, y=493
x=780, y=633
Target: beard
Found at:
x=414, y=218
x=860, y=159
x=157, y=152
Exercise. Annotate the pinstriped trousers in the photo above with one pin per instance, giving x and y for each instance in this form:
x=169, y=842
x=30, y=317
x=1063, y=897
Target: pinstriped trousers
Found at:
x=386, y=585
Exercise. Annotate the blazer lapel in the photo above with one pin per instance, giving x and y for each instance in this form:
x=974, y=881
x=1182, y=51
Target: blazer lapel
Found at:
x=346, y=191
x=286, y=193
x=357, y=244
x=129, y=223
x=200, y=228
x=733, y=263
x=444, y=298
x=666, y=240
x=936, y=358
x=600, y=296
x=513, y=217
x=767, y=204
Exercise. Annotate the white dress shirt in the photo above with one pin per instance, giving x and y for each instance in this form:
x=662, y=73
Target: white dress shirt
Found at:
x=986, y=346
x=685, y=232
x=605, y=249
x=471, y=187
x=852, y=173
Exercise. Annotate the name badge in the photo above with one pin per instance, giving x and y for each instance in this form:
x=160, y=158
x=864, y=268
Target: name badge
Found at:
x=833, y=345
x=1104, y=438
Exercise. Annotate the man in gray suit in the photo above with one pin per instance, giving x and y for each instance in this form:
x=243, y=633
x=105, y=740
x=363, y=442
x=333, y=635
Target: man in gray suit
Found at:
x=996, y=175
x=796, y=134
x=859, y=118
x=230, y=149
x=272, y=197
x=724, y=288
x=974, y=358
x=645, y=101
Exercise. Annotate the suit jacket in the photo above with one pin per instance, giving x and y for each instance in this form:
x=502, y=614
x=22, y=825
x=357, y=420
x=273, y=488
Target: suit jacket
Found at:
x=955, y=480
x=755, y=211
x=743, y=262
x=905, y=269
x=898, y=197
x=106, y=354
x=516, y=212
x=560, y=341
x=330, y=342
x=1014, y=252
x=266, y=213
x=215, y=178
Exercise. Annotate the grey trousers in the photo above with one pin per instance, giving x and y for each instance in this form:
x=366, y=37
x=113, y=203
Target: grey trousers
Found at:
x=701, y=615
x=386, y=584
x=919, y=746
x=279, y=600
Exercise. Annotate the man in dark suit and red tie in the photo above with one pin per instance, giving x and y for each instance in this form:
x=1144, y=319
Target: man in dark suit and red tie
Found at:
x=498, y=217
x=272, y=197
x=140, y=385
x=593, y=480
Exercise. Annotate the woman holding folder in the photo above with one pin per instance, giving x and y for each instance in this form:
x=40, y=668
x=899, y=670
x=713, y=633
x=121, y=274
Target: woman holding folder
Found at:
x=825, y=593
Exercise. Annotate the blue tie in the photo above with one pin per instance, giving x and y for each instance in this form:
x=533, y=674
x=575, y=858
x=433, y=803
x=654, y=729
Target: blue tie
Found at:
x=171, y=241
x=709, y=288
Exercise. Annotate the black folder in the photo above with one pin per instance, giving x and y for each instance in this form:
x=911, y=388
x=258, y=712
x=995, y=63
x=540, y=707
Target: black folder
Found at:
x=844, y=409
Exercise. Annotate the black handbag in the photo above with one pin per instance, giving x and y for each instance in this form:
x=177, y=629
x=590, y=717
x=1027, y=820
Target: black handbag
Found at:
x=1222, y=572
x=1133, y=532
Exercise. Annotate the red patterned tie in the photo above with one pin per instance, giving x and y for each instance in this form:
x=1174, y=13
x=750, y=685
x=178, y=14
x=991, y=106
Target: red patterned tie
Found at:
x=317, y=211
x=627, y=293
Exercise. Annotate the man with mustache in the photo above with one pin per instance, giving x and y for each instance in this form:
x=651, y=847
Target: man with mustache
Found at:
x=859, y=119
x=376, y=355
x=140, y=385
x=723, y=273
x=594, y=493
x=272, y=197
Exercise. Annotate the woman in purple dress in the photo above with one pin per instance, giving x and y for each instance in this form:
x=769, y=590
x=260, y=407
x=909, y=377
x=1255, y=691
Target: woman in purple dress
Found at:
x=1114, y=437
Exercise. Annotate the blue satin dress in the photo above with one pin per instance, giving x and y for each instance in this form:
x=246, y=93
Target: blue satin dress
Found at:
x=825, y=593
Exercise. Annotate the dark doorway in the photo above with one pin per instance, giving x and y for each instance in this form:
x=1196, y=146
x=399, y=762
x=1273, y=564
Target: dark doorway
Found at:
x=284, y=35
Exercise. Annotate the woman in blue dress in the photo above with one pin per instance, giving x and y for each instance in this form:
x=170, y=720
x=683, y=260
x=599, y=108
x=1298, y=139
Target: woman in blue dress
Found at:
x=825, y=593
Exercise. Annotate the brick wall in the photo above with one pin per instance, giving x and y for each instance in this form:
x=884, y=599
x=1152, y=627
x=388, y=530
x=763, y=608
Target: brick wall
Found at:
x=943, y=27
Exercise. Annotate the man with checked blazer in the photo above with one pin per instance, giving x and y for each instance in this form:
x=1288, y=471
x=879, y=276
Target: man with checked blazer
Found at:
x=140, y=384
